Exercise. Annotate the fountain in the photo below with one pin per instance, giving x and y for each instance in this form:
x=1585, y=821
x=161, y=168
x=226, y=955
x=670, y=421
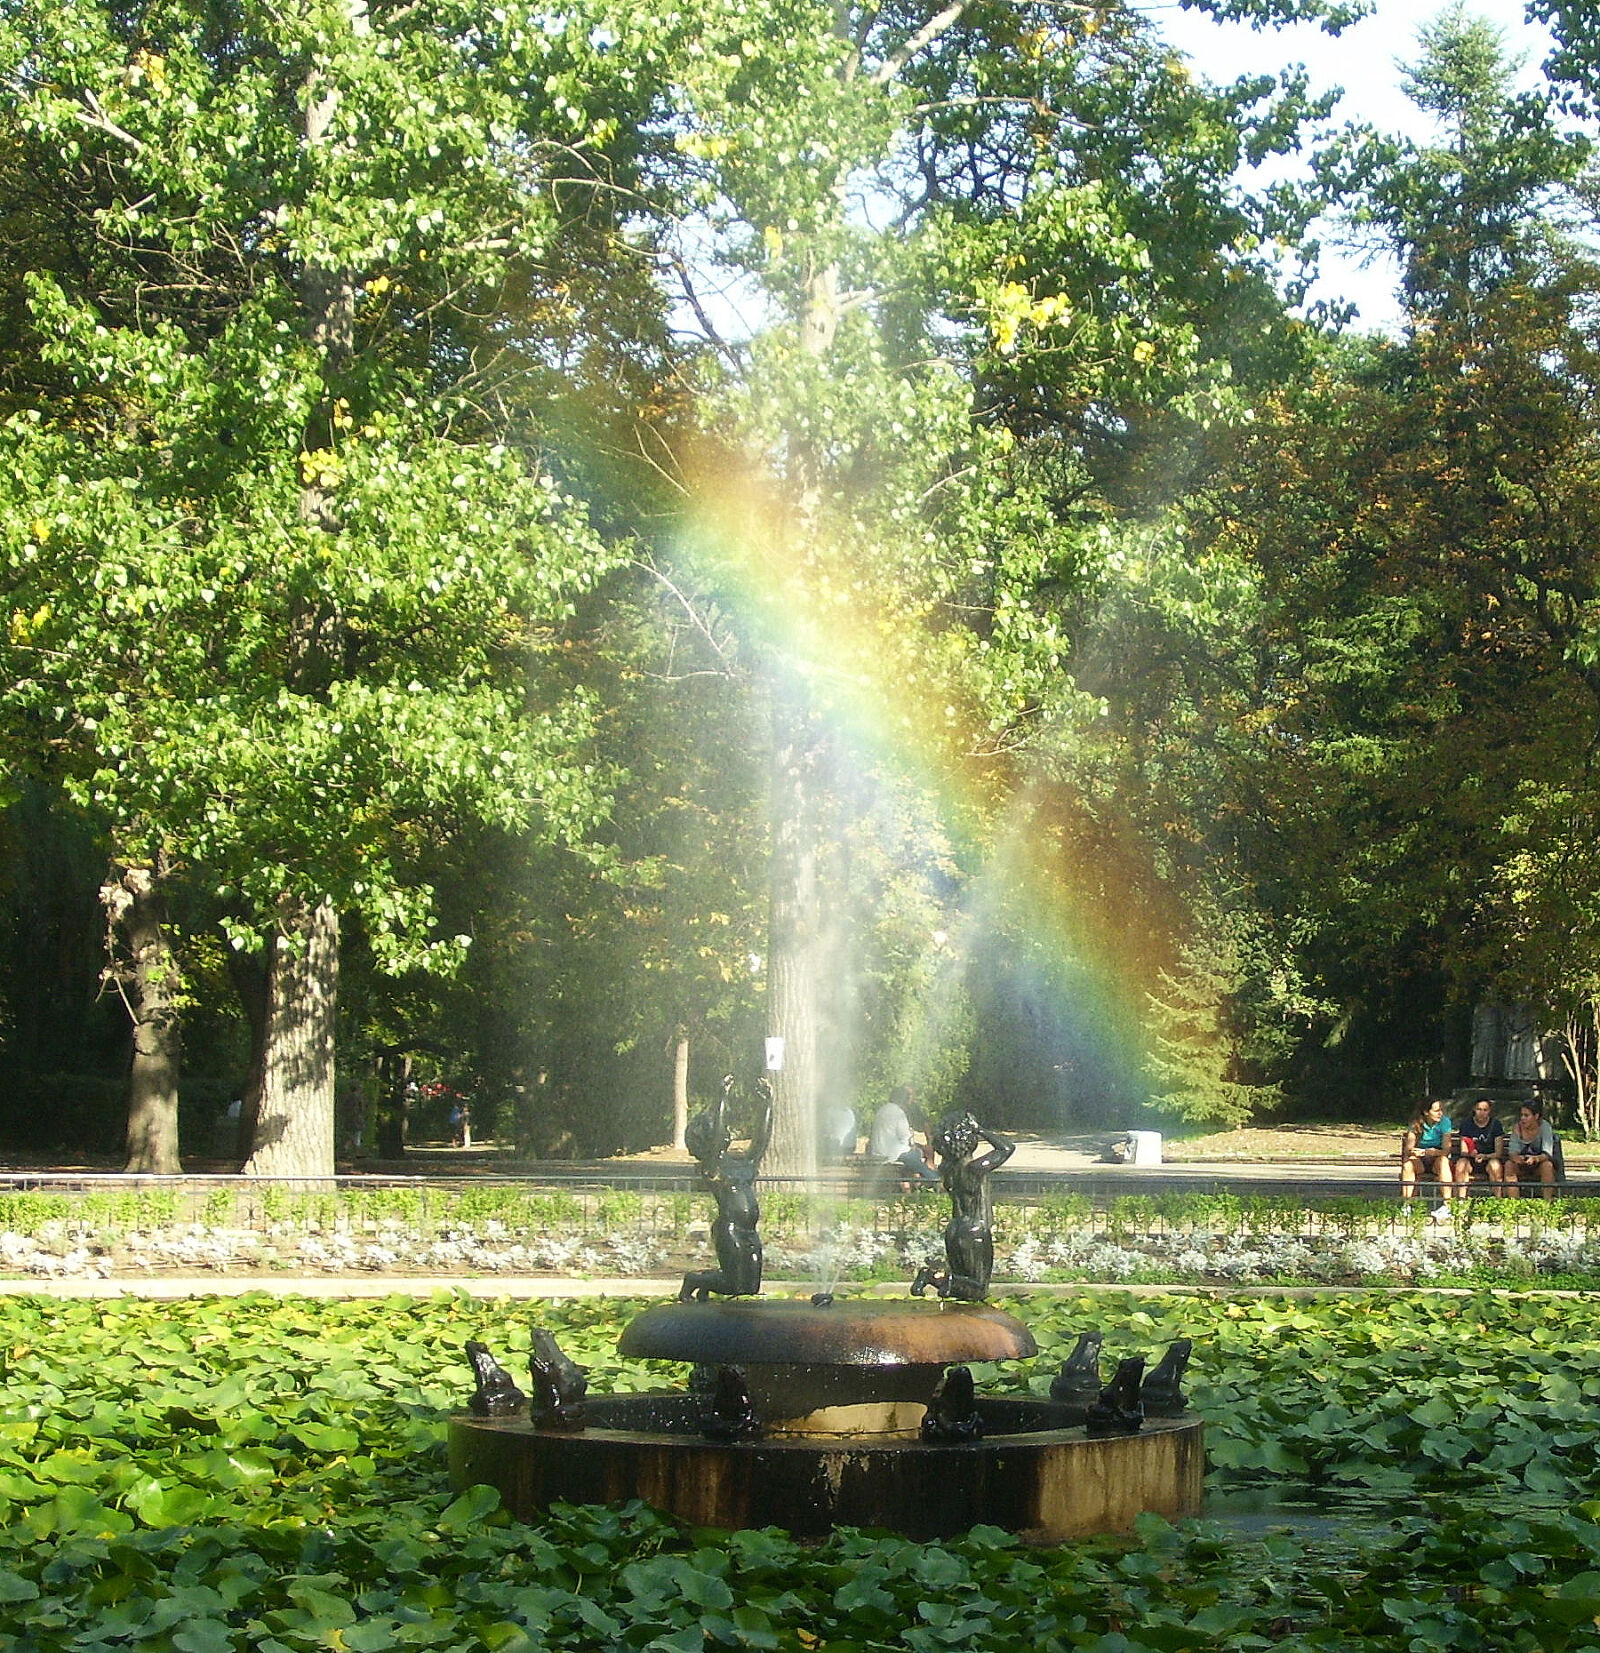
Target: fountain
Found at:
x=815, y=1414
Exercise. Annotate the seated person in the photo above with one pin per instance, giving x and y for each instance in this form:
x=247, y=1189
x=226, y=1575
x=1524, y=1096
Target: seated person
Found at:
x=1480, y=1146
x=1425, y=1148
x=838, y=1132
x=1531, y=1150
x=890, y=1142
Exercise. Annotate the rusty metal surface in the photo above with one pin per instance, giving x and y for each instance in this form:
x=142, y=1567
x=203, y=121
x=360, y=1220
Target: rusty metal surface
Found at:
x=846, y=1333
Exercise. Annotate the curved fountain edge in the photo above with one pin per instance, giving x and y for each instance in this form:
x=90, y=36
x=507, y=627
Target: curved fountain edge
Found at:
x=1028, y=1473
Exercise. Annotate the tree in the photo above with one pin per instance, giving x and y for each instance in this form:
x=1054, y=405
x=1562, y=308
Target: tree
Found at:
x=279, y=588
x=985, y=239
x=1400, y=666
x=300, y=280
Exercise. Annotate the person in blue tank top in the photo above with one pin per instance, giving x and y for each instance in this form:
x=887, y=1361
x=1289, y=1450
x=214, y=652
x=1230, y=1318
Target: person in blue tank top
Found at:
x=1425, y=1151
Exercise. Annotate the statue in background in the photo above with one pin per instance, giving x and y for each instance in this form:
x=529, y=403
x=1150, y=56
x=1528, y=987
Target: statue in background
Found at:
x=969, y=1235
x=731, y=1178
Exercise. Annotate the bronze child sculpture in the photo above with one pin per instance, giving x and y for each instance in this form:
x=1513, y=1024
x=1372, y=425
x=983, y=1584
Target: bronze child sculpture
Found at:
x=731, y=1178
x=968, y=1236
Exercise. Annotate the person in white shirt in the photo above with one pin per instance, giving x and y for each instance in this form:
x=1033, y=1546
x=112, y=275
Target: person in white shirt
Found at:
x=891, y=1142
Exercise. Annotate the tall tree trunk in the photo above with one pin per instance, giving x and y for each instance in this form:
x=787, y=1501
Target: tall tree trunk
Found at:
x=680, y=1088
x=251, y=974
x=295, y=1134
x=296, y=1126
x=148, y=980
x=792, y=932
x=394, y=1078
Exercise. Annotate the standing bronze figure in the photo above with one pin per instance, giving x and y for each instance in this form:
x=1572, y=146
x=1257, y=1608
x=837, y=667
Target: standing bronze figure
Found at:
x=969, y=1235
x=731, y=1178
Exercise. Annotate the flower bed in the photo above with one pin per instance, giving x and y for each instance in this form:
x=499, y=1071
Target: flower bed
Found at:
x=1202, y=1240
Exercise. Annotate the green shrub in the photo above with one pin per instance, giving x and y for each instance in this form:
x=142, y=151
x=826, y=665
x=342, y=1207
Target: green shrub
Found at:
x=28, y=1212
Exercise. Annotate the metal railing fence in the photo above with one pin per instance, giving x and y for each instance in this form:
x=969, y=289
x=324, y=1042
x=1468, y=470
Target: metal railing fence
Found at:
x=668, y=1206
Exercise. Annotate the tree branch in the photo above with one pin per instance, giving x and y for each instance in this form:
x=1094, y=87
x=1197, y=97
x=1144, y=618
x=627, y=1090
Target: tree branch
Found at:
x=696, y=619
x=93, y=115
x=686, y=282
x=930, y=31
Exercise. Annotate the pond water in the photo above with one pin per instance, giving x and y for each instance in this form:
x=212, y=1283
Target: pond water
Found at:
x=1318, y=1513
x=1322, y=1513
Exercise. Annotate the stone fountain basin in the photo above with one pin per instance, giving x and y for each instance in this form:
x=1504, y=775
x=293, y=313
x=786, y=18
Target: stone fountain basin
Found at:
x=847, y=1368
x=840, y=1391
x=781, y=1331
x=1032, y=1473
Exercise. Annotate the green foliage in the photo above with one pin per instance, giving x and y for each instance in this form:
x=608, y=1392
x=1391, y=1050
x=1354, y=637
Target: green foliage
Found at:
x=23, y=1213
x=1199, y=1019
x=266, y=1473
x=948, y=411
x=1356, y=751
x=320, y=573
x=26, y=1213
x=275, y=582
x=1574, y=65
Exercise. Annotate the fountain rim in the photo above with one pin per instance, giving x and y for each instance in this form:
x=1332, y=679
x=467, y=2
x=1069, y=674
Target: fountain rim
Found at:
x=847, y=1332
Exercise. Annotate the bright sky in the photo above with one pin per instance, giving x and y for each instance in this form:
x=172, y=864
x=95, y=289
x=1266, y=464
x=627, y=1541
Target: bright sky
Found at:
x=1363, y=61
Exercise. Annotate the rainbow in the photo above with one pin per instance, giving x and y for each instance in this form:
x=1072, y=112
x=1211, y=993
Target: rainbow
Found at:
x=1053, y=881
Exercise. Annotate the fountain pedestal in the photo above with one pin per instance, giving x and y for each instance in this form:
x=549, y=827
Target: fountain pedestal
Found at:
x=857, y=1368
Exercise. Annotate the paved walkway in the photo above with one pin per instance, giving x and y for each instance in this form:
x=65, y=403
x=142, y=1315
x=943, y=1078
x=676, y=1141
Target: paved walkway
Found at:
x=548, y=1288
x=1040, y=1156
x=1074, y=1157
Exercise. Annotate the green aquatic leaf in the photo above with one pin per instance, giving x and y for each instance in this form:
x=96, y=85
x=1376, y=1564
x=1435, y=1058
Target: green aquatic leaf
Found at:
x=374, y=1635
x=173, y=1504
x=471, y=1507
x=1435, y=1413
x=690, y=1639
x=417, y=1564
x=204, y=1636
x=14, y=1587
x=506, y=1636
x=704, y=1589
